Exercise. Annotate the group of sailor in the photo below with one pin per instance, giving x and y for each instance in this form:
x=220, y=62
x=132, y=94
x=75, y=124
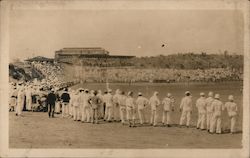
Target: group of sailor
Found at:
x=92, y=106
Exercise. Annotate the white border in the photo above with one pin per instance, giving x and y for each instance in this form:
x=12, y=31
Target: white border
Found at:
x=7, y=5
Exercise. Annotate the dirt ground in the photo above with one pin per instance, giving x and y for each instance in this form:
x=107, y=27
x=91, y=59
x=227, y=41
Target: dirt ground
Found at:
x=36, y=130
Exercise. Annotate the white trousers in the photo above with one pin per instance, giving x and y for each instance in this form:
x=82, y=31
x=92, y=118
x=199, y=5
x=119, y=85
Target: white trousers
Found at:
x=141, y=113
x=166, y=115
x=154, y=117
x=28, y=103
x=85, y=112
x=123, y=114
x=70, y=109
x=76, y=113
x=101, y=111
x=57, y=107
x=201, y=120
x=130, y=114
x=116, y=112
x=185, y=115
x=65, y=109
x=233, y=123
x=19, y=108
x=108, y=113
x=216, y=123
x=209, y=119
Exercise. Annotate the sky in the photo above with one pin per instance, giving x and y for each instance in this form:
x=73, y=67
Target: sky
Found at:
x=125, y=32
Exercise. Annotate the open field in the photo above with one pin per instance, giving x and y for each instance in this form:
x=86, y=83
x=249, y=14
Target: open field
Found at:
x=36, y=130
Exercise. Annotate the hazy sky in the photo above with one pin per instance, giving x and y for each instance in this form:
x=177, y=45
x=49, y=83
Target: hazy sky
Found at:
x=125, y=32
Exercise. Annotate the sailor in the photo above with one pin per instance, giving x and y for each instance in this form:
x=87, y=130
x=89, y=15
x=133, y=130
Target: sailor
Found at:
x=154, y=103
x=130, y=109
x=101, y=106
x=51, y=101
x=75, y=104
x=86, y=107
x=168, y=106
x=201, y=106
x=217, y=107
x=29, y=98
x=13, y=98
x=65, y=98
x=104, y=104
x=209, y=112
x=95, y=101
x=232, y=110
x=122, y=102
x=186, y=109
x=116, y=106
x=141, y=103
x=20, y=99
x=108, y=100
x=58, y=104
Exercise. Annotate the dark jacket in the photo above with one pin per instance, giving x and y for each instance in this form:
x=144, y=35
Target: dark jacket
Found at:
x=51, y=99
x=65, y=97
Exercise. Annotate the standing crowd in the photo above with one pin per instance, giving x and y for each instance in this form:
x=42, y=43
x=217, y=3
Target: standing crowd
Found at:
x=91, y=106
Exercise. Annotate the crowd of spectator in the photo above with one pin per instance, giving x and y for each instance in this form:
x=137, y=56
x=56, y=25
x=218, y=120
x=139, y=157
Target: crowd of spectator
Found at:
x=53, y=74
x=157, y=75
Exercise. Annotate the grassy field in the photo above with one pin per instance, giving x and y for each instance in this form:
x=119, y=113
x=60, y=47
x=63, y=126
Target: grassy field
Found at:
x=36, y=130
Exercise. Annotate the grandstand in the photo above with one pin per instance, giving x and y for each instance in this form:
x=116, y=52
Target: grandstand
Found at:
x=92, y=56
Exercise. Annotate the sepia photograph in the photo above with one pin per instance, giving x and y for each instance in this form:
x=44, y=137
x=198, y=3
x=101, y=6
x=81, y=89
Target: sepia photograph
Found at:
x=107, y=75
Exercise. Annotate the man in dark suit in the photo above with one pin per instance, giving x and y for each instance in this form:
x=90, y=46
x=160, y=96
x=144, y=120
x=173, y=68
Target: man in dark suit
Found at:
x=51, y=102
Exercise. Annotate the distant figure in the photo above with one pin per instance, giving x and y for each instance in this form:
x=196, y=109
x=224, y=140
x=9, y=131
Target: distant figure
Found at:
x=108, y=100
x=201, y=106
x=122, y=102
x=186, y=109
x=104, y=104
x=58, y=104
x=101, y=106
x=29, y=98
x=130, y=109
x=168, y=106
x=13, y=99
x=116, y=106
x=209, y=112
x=71, y=94
x=20, y=100
x=75, y=104
x=217, y=107
x=86, y=107
x=154, y=103
x=65, y=98
x=51, y=102
x=95, y=101
x=141, y=103
x=232, y=110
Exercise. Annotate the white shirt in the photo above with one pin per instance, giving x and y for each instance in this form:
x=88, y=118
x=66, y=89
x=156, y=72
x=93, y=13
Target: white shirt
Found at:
x=130, y=103
x=201, y=105
x=115, y=98
x=217, y=107
x=122, y=101
x=168, y=103
x=86, y=97
x=154, y=102
x=209, y=101
x=141, y=102
x=186, y=103
x=108, y=99
x=231, y=108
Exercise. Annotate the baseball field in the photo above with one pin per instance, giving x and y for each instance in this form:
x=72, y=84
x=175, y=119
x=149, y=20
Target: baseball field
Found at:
x=36, y=130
